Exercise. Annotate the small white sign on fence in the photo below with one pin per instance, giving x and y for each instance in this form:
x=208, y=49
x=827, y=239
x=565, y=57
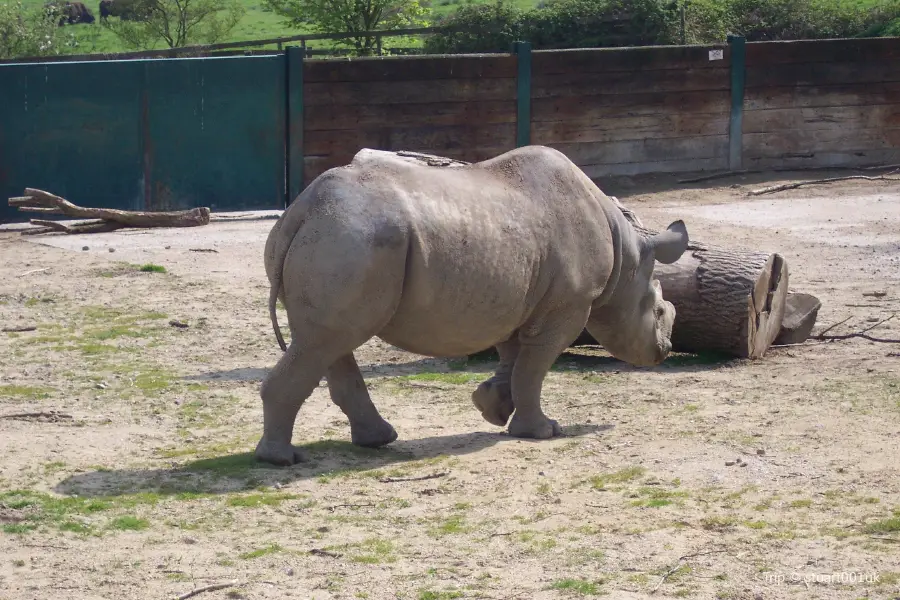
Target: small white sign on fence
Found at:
x=716, y=54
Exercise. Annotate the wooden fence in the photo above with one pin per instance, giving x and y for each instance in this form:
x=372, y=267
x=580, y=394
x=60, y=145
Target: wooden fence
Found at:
x=251, y=132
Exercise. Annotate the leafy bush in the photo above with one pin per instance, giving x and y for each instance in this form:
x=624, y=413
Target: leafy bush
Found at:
x=478, y=28
x=28, y=33
x=605, y=23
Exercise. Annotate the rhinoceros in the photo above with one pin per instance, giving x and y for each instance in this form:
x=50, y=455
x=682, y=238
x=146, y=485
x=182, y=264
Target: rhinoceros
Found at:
x=520, y=252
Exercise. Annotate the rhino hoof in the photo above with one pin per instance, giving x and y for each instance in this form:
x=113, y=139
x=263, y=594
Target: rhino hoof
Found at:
x=494, y=405
x=540, y=430
x=280, y=454
x=373, y=437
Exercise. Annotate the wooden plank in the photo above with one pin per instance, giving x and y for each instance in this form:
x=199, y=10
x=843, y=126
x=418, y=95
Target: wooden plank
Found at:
x=628, y=105
x=822, y=96
x=639, y=82
x=629, y=128
x=354, y=116
x=647, y=150
x=803, y=142
x=406, y=68
x=409, y=92
x=435, y=140
x=820, y=74
x=877, y=156
x=808, y=119
x=546, y=62
x=660, y=166
x=823, y=51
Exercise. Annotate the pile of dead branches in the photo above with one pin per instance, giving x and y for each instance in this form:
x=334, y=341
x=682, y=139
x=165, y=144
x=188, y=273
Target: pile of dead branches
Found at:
x=99, y=219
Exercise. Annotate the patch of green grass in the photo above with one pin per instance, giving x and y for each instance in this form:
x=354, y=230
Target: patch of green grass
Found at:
x=260, y=499
x=75, y=527
x=755, y=524
x=803, y=503
x=151, y=268
x=454, y=378
x=679, y=359
x=25, y=392
x=717, y=522
x=891, y=525
x=439, y=595
x=599, y=482
x=270, y=549
x=375, y=551
x=578, y=586
x=129, y=523
x=888, y=578
x=449, y=526
x=655, y=497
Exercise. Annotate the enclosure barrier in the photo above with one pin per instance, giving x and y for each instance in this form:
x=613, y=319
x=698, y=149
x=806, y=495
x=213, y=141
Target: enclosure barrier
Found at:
x=249, y=132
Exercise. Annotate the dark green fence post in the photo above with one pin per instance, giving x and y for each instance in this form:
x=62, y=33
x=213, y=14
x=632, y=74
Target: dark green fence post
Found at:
x=293, y=126
x=522, y=50
x=738, y=77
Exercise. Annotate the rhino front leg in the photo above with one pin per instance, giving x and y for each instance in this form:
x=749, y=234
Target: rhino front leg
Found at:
x=493, y=398
x=538, y=349
x=348, y=391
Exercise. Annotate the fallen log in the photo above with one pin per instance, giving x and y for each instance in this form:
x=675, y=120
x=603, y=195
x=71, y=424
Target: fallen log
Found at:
x=102, y=219
x=800, y=312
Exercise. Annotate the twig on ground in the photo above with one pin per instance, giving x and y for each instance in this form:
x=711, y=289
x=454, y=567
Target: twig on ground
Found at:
x=875, y=294
x=337, y=506
x=718, y=176
x=861, y=334
x=19, y=329
x=876, y=167
x=827, y=329
x=33, y=271
x=320, y=552
x=503, y=534
x=37, y=415
x=680, y=560
x=795, y=185
x=203, y=250
x=207, y=588
x=422, y=478
x=885, y=538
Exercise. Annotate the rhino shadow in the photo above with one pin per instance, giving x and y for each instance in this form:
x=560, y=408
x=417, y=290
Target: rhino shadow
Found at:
x=486, y=363
x=328, y=459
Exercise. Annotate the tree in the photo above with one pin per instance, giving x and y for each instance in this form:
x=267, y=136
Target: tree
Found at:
x=352, y=16
x=28, y=33
x=176, y=23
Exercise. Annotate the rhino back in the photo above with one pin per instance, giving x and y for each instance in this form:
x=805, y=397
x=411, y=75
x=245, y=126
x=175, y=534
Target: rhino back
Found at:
x=483, y=247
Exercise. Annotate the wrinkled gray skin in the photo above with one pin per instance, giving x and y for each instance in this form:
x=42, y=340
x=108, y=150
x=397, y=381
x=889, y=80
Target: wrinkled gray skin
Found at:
x=520, y=252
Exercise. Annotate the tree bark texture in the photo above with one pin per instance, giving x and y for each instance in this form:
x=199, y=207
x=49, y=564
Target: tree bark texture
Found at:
x=105, y=219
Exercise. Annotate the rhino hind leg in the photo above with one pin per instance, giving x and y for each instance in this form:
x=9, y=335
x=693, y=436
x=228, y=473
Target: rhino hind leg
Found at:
x=539, y=347
x=348, y=391
x=493, y=398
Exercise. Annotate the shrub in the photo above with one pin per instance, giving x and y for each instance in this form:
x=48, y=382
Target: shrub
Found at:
x=478, y=28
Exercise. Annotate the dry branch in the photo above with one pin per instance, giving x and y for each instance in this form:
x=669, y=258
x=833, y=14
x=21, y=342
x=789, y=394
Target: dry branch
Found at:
x=680, y=560
x=422, y=478
x=860, y=334
x=103, y=219
x=19, y=329
x=795, y=185
x=207, y=588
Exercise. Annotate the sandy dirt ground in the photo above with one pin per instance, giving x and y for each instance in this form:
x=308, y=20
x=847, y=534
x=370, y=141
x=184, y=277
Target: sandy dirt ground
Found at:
x=126, y=440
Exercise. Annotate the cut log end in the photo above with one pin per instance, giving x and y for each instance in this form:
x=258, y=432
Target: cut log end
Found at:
x=766, y=307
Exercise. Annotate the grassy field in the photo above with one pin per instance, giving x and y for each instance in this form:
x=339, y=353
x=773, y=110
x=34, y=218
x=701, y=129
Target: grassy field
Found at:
x=258, y=23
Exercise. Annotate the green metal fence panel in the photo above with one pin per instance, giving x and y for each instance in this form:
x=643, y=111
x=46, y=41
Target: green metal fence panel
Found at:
x=146, y=134
x=215, y=133
x=71, y=129
x=294, y=67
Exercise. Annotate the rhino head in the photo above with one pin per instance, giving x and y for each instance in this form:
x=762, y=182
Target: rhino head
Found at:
x=635, y=323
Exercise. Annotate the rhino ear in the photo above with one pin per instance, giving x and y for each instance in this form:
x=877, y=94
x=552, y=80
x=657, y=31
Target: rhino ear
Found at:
x=669, y=245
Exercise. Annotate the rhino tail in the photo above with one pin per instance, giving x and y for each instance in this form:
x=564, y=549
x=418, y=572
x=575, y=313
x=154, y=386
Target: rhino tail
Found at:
x=273, y=315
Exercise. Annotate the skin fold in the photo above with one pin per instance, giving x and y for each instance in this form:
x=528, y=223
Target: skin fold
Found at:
x=520, y=252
